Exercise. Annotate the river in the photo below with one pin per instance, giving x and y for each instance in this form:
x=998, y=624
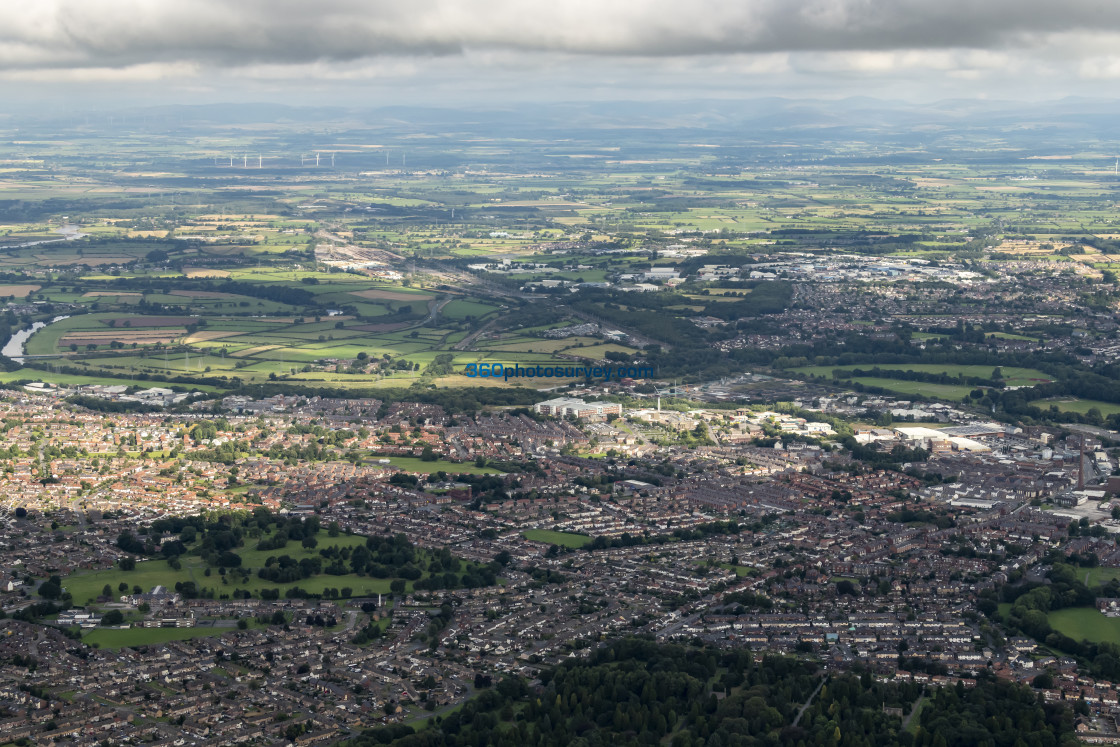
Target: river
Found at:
x=14, y=348
x=69, y=232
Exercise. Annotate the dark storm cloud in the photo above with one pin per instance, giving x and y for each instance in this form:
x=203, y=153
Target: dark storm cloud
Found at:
x=61, y=34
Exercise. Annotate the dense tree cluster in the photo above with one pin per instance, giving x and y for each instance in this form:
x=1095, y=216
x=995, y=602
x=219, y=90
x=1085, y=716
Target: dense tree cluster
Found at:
x=893, y=459
x=635, y=692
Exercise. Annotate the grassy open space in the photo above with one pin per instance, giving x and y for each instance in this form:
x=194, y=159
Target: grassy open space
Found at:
x=1099, y=576
x=415, y=464
x=106, y=638
x=939, y=391
x=1086, y=623
x=198, y=332
x=254, y=558
x=1081, y=406
x=740, y=570
x=86, y=587
x=916, y=718
x=461, y=309
x=35, y=374
x=563, y=539
x=1012, y=376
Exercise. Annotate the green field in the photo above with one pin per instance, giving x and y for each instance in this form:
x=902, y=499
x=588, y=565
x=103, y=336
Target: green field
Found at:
x=213, y=333
x=460, y=309
x=598, y=352
x=940, y=391
x=104, y=638
x=740, y=570
x=415, y=464
x=34, y=374
x=86, y=587
x=1081, y=406
x=1012, y=376
x=1086, y=623
x=1100, y=576
x=563, y=539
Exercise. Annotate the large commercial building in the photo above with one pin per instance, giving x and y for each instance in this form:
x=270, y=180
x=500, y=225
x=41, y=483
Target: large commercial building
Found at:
x=562, y=407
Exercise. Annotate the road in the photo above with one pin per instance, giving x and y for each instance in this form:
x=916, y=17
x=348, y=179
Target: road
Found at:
x=672, y=628
x=444, y=710
x=913, y=711
x=435, y=308
x=809, y=702
x=467, y=341
x=1091, y=430
x=35, y=644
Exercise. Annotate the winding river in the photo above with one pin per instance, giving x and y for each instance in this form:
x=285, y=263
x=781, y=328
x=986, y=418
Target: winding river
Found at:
x=14, y=348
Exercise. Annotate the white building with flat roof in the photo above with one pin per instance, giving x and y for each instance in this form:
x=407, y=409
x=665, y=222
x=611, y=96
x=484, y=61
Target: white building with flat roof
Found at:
x=562, y=407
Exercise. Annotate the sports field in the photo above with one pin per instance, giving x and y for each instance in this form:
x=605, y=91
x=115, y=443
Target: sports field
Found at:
x=1099, y=576
x=415, y=464
x=110, y=638
x=563, y=539
x=1086, y=623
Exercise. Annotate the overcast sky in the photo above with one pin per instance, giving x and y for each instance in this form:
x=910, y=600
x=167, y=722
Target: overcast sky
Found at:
x=463, y=51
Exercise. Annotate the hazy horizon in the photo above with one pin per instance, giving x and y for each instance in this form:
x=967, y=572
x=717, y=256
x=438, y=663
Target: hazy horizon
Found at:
x=105, y=54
